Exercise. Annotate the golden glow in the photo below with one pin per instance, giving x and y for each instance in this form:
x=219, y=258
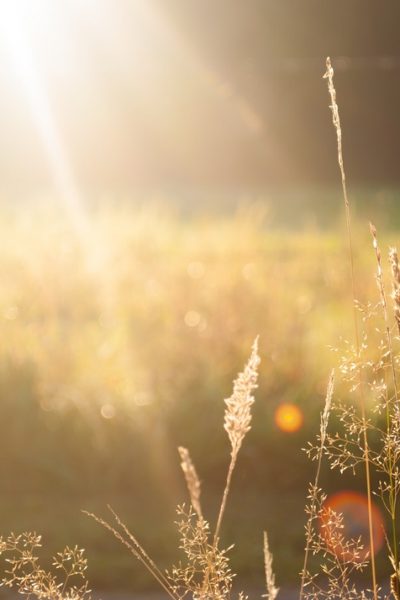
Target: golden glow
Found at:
x=354, y=509
x=288, y=417
x=20, y=29
x=120, y=96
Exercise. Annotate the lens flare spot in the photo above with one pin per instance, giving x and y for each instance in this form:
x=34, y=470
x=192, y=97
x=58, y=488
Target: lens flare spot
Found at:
x=288, y=417
x=354, y=510
x=107, y=411
x=192, y=318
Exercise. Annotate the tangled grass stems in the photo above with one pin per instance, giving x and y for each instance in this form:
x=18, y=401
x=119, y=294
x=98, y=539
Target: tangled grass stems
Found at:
x=313, y=490
x=207, y=575
x=339, y=557
x=26, y=575
x=329, y=74
x=390, y=350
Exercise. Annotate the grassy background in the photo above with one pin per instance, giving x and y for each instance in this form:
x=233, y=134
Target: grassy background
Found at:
x=120, y=340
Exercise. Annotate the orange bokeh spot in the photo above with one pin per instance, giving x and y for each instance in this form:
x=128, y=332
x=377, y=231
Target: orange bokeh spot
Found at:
x=354, y=509
x=288, y=417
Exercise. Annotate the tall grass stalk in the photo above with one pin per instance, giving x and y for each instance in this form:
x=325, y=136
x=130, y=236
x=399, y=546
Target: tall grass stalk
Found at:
x=337, y=125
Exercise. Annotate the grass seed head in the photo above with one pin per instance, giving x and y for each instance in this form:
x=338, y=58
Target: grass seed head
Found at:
x=272, y=590
x=394, y=263
x=192, y=480
x=238, y=406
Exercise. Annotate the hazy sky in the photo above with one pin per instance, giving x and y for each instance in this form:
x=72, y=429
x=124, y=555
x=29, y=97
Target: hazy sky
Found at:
x=163, y=93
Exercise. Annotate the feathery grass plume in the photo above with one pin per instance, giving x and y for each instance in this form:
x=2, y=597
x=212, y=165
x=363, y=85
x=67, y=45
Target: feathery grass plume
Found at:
x=192, y=480
x=28, y=578
x=128, y=540
x=238, y=419
x=327, y=409
x=394, y=263
x=379, y=271
x=335, y=118
x=314, y=489
x=238, y=413
x=272, y=590
x=329, y=74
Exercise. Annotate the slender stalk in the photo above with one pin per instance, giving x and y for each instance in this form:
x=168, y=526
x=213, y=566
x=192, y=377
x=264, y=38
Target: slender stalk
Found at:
x=224, y=498
x=139, y=548
x=68, y=575
x=211, y=566
x=336, y=122
x=138, y=553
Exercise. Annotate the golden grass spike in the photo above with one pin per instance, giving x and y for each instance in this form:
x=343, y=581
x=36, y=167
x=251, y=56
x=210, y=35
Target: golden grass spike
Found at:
x=327, y=409
x=379, y=271
x=272, y=590
x=238, y=406
x=238, y=419
x=192, y=480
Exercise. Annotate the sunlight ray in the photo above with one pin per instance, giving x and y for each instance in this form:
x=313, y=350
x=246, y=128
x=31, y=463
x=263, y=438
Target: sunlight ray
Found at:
x=20, y=53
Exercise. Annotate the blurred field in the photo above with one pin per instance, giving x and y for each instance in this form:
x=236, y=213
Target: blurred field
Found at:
x=120, y=340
